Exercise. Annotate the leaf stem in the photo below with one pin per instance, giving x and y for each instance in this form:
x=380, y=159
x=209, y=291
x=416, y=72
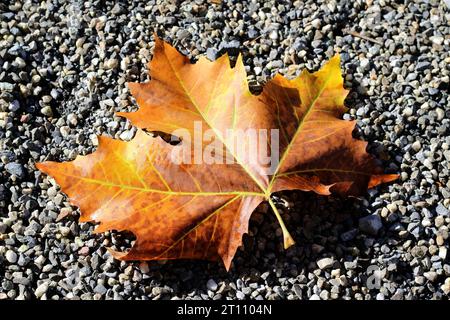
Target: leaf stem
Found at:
x=287, y=238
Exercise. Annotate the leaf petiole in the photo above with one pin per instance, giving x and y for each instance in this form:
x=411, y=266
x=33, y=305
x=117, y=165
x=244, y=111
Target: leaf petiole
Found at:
x=287, y=238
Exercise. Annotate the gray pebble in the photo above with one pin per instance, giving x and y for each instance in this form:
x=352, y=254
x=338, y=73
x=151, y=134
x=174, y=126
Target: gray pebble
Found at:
x=211, y=285
x=11, y=256
x=441, y=210
x=370, y=224
x=15, y=169
x=325, y=263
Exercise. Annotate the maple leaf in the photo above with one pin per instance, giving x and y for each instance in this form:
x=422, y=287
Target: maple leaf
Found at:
x=201, y=211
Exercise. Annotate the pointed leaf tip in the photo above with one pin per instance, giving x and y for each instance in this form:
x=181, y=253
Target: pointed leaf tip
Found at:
x=381, y=178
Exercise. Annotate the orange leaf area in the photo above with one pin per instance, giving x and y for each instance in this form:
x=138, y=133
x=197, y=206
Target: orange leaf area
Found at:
x=180, y=210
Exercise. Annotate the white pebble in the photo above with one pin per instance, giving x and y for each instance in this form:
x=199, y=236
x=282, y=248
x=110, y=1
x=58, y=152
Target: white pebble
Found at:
x=41, y=289
x=11, y=256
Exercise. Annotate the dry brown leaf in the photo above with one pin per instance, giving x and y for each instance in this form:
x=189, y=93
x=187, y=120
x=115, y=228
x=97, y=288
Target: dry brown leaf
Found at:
x=201, y=211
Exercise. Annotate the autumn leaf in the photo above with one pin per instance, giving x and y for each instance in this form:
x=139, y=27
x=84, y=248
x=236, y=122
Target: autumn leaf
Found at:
x=192, y=210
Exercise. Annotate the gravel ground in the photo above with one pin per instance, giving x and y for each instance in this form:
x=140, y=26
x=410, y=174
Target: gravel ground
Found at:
x=63, y=72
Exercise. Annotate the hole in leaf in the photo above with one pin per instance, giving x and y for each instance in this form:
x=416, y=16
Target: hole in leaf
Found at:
x=169, y=138
x=122, y=241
